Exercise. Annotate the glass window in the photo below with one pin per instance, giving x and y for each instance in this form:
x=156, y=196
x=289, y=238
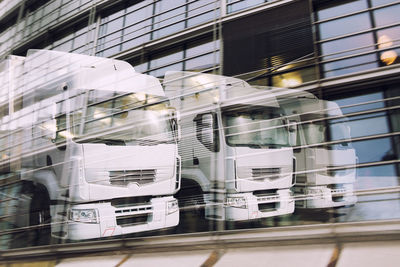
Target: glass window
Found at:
x=202, y=11
x=382, y=2
x=294, y=78
x=361, y=103
x=202, y=62
x=197, y=49
x=343, y=9
x=345, y=25
x=387, y=16
x=137, y=27
x=357, y=44
x=165, y=59
x=254, y=126
x=113, y=25
x=169, y=19
x=234, y=5
x=350, y=65
x=161, y=71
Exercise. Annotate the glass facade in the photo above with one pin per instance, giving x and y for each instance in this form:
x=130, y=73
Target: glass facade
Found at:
x=302, y=128
x=356, y=36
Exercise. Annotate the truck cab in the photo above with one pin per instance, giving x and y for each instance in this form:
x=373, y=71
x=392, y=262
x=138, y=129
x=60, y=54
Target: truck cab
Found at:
x=237, y=159
x=326, y=160
x=99, y=149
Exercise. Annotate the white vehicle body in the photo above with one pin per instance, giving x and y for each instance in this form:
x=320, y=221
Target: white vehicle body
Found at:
x=325, y=165
x=97, y=140
x=227, y=161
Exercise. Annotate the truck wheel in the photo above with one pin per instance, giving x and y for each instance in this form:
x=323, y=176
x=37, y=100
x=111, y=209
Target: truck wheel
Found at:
x=191, y=209
x=39, y=219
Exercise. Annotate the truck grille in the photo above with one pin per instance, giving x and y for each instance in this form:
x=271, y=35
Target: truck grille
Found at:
x=132, y=219
x=133, y=215
x=265, y=173
x=140, y=177
x=266, y=206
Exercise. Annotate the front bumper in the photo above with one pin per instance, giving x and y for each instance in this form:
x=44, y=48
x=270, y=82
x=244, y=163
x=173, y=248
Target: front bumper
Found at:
x=307, y=197
x=114, y=221
x=256, y=207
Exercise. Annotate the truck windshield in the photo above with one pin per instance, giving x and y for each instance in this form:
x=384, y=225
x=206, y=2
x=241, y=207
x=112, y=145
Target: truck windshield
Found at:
x=254, y=126
x=125, y=120
x=319, y=130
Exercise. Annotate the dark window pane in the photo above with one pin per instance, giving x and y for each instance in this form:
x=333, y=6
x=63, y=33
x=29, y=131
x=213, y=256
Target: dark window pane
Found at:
x=343, y=9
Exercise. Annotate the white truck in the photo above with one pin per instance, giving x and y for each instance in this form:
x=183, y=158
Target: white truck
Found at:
x=93, y=143
x=326, y=160
x=236, y=157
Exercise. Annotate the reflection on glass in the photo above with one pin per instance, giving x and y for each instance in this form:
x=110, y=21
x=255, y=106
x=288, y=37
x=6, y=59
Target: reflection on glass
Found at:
x=350, y=65
x=344, y=26
x=254, y=126
x=234, y=6
x=382, y=2
x=147, y=122
x=341, y=9
x=387, y=16
x=356, y=44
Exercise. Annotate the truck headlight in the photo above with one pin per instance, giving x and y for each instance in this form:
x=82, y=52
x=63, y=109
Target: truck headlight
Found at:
x=83, y=215
x=172, y=206
x=236, y=202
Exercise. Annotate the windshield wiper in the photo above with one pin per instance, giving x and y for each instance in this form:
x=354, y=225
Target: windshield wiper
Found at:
x=107, y=141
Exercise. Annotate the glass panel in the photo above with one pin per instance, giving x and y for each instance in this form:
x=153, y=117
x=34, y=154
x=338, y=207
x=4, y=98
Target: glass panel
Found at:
x=202, y=11
x=170, y=13
x=350, y=65
x=382, y=2
x=341, y=9
x=159, y=73
x=163, y=60
x=234, y=5
x=360, y=43
x=387, y=16
x=362, y=103
x=344, y=26
x=202, y=62
x=294, y=78
x=197, y=49
x=254, y=126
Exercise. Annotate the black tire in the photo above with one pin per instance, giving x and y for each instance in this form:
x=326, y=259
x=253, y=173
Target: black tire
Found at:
x=39, y=218
x=191, y=208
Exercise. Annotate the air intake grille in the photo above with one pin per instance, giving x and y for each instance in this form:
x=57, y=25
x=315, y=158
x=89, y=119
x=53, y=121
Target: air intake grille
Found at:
x=140, y=177
x=265, y=173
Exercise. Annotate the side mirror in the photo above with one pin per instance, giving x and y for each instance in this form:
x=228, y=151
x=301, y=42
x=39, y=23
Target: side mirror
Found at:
x=207, y=131
x=49, y=129
x=292, y=129
x=175, y=121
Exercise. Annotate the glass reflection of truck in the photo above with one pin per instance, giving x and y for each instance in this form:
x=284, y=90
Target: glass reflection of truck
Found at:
x=93, y=144
x=236, y=156
x=326, y=161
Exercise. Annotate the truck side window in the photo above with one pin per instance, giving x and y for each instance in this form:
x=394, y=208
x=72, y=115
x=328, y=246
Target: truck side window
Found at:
x=207, y=131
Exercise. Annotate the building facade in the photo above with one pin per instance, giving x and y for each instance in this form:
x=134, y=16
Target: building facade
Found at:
x=343, y=51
